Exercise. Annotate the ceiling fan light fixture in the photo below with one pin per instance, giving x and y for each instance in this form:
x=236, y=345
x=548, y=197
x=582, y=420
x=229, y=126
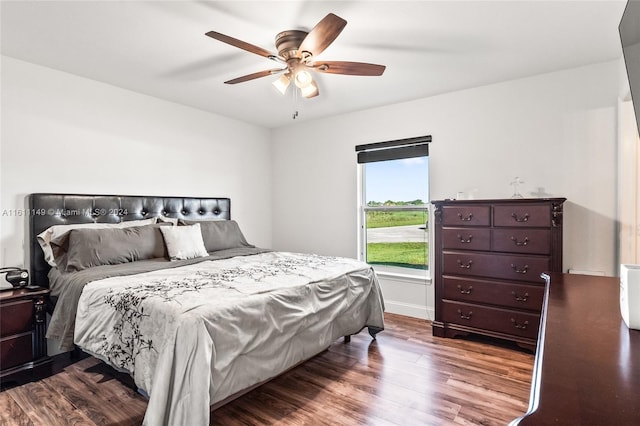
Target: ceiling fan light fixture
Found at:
x=282, y=83
x=310, y=90
x=303, y=78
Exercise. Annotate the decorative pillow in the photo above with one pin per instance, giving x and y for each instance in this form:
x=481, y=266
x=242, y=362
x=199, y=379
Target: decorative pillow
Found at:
x=165, y=219
x=219, y=234
x=184, y=242
x=94, y=247
x=56, y=231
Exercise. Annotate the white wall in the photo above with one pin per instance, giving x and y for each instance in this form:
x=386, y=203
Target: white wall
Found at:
x=556, y=131
x=66, y=134
x=62, y=133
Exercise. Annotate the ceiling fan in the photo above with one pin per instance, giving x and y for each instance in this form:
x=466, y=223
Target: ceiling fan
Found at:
x=297, y=51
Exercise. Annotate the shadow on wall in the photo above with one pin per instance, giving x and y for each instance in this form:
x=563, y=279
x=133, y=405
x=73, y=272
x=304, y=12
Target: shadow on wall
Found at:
x=15, y=228
x=590, y=241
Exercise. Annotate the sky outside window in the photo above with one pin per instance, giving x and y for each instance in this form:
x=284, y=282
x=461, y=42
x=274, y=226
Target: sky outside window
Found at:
x=398, y=180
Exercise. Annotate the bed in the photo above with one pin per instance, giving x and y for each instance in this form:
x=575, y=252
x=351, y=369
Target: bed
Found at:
x=131, y=285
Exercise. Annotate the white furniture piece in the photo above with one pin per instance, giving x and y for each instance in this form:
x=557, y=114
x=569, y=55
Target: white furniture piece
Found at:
x=630, y=295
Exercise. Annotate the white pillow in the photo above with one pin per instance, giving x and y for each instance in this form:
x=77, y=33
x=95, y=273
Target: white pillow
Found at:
x=45, y=237
x=184, y=242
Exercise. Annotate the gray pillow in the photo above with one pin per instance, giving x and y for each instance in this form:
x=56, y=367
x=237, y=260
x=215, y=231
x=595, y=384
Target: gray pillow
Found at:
x=56, y=232
x=166, y=219
x=94, y=247
x=219, y=234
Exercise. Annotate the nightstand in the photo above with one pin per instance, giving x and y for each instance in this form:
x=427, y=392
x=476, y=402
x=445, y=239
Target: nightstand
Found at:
x=23, y=347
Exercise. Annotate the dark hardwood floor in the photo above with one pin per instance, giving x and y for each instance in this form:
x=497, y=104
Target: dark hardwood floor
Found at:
x=405, y=377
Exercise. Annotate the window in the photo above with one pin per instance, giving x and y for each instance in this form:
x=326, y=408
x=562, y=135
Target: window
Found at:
x=394, y=202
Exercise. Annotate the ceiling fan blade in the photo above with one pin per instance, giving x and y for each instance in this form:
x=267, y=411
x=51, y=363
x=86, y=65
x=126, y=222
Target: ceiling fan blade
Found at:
x=348, y=68
x=322, y=35
x=255, y=75
x=243, y=45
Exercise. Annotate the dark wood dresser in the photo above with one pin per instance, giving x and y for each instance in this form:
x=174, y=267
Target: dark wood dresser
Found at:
x=489, y=255
x=23, y=346
x=587, y=366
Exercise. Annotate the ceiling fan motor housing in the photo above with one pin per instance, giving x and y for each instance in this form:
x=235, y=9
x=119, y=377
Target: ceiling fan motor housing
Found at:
x=287, y=43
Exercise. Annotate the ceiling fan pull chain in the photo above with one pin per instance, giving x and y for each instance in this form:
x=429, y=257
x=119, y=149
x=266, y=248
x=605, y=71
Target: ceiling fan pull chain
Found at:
x=295, y=104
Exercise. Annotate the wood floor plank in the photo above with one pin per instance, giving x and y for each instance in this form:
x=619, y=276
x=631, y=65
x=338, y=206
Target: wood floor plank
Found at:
x=44, y=406
x=405, y=377
x=350, y=409
x=11, y=413
x=97, y=377
x=96, y=402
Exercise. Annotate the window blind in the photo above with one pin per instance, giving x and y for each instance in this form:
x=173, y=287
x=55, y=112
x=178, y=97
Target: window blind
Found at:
x=394, y=150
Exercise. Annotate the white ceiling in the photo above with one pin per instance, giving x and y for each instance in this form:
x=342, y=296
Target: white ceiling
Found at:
x=429, y=47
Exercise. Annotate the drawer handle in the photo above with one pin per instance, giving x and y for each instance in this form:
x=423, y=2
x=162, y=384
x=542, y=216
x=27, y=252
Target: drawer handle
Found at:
x=520, y=243
x=465, y=317
x=519, y=326
x=520, y=298
x=520, y=271
x=40, y=311
x=463, y=266
x=463, y=291
x=517, y=218
x=463, y=241
x=467, y=218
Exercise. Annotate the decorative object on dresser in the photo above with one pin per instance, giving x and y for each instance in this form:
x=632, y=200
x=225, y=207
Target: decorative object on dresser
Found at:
x=11, y=277
x=489, y=255
x=23, y=347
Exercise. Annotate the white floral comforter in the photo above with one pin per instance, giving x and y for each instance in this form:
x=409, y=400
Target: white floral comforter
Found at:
x=193, y=335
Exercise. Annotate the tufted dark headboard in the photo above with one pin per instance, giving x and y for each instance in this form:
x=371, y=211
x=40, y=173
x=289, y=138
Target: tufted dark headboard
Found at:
x=59, y=209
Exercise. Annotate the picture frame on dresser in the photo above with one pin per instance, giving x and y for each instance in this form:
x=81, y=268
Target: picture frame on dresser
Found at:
x=489, y=257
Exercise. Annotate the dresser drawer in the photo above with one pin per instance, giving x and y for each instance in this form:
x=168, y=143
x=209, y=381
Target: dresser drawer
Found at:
x=521, y=296
x=522, y=215
x=16, y=317
x=466, y=215
x=466, y=238
x=506, y=321
x=16, y=350
x=521, y=240
x=501, y=266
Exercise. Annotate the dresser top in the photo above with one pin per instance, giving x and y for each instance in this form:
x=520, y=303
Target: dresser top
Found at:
x=18, y=293
x=557, y=200
x=588, y=362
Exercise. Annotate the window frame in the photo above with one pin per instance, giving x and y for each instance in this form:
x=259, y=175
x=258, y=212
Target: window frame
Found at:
x=388, y=270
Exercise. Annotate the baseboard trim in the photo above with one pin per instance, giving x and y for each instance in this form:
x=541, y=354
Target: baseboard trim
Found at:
x=408, y=309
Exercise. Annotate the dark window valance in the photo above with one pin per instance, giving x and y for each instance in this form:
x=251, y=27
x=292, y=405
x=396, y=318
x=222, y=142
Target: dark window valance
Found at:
x=394, y=150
